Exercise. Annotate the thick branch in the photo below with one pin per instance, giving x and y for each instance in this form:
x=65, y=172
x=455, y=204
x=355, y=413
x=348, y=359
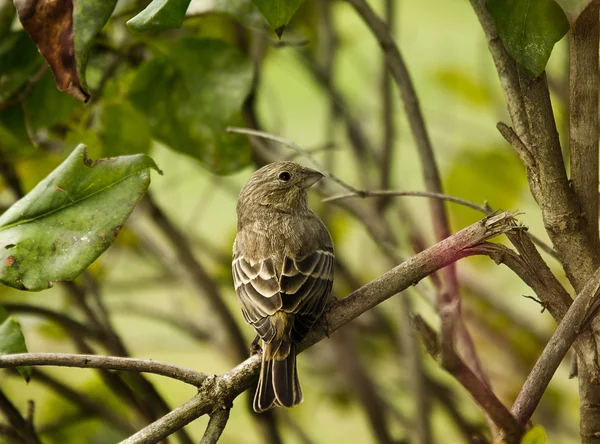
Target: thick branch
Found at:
x=563, y=218
x=583, y=114
x=104, y=362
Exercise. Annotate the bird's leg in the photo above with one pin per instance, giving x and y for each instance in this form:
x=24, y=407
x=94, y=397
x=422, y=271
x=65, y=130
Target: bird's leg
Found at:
x=255, y=347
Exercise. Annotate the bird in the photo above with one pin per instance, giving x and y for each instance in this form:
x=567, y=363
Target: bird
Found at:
x=283, y=267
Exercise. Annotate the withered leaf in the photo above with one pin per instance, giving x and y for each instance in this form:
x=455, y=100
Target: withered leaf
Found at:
x=50, y=25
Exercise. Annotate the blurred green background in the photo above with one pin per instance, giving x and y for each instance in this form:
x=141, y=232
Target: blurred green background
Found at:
x=141, y=277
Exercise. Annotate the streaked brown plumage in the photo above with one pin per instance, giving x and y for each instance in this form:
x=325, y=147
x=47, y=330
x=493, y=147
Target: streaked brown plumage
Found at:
x=283, y=272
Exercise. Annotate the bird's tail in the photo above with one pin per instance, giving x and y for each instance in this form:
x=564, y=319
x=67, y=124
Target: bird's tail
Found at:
x=278, y=384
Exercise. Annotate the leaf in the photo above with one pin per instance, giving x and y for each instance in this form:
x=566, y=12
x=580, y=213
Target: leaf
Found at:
x=536, y=435
x=63, y=32
x=46, y=106
x=159, y=14
x=50, y=25
x=191, y=94
x=19, y=60
x=124, y=130
x=278, y=12
x=529, y=29
x=69, y=219
x=89, y=17
x=12, y=340
x=573, y=8
x=7, y=14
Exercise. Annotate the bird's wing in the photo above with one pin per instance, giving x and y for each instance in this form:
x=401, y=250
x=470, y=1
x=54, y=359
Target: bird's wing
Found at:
x=257, y=288
x=305, y=286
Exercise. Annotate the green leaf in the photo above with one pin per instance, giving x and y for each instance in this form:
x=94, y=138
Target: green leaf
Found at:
x=69, y=219
x=89, y=17
x=536, y=435
x=12, y=340
x=529, y=29
x=191, y=94
x=159, y=14
x=573, y=8
x=19, y=60
x=7, y=15
x=46, y=105
x=124, y=130
x=278, y=12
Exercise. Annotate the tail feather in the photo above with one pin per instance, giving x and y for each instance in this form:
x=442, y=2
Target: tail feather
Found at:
x=278, y=384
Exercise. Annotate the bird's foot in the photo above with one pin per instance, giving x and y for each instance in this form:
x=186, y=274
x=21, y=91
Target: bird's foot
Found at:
x=255, y=347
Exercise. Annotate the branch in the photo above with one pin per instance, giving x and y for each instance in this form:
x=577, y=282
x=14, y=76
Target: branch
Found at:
x=83, y=402
x=219, y=391
x=574, y=322
x=293, y=146
x=583, y=114
x=506, y=67
x=387, y=108
x=478, y=389
x=104, y=362
x=69, y=324
x=21, y=426
x=198, y=276
x=391, y=193
x=216, y=425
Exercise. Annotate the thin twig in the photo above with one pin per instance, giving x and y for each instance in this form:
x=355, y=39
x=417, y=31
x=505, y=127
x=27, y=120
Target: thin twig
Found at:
x=485, y=209
x=297, y=149
x=83, y=402
x=134, y=365
x=17, y=421
x=479, y=390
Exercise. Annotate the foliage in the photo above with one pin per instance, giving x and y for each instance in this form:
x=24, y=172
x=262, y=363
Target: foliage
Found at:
x=529, y=30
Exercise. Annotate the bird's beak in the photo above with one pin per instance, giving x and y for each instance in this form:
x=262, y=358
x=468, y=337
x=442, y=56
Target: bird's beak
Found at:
x=310, y=178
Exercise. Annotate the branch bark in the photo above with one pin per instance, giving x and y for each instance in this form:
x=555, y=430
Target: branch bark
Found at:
x=573, y=323
x=583, y=114
x=104, y=362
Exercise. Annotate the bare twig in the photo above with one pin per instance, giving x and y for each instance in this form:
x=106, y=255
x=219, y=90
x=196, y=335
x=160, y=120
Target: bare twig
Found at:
x=382, y=193
x=17, y=421
x=176, y=320
x=216, y=425
x=83, y=402
x=104, y=362
x=198, y=276
x=480, y=391
x=387, y=108
x=297, y=149
x=363, y=385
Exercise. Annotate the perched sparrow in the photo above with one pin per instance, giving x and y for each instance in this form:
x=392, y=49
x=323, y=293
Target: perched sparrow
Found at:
x=282, y=271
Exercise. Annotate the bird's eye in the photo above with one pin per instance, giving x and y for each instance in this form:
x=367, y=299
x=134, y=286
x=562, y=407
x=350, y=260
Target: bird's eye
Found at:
x=285, y=176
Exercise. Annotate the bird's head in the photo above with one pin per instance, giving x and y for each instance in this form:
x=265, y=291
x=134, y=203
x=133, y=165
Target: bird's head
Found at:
x=278, y=185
